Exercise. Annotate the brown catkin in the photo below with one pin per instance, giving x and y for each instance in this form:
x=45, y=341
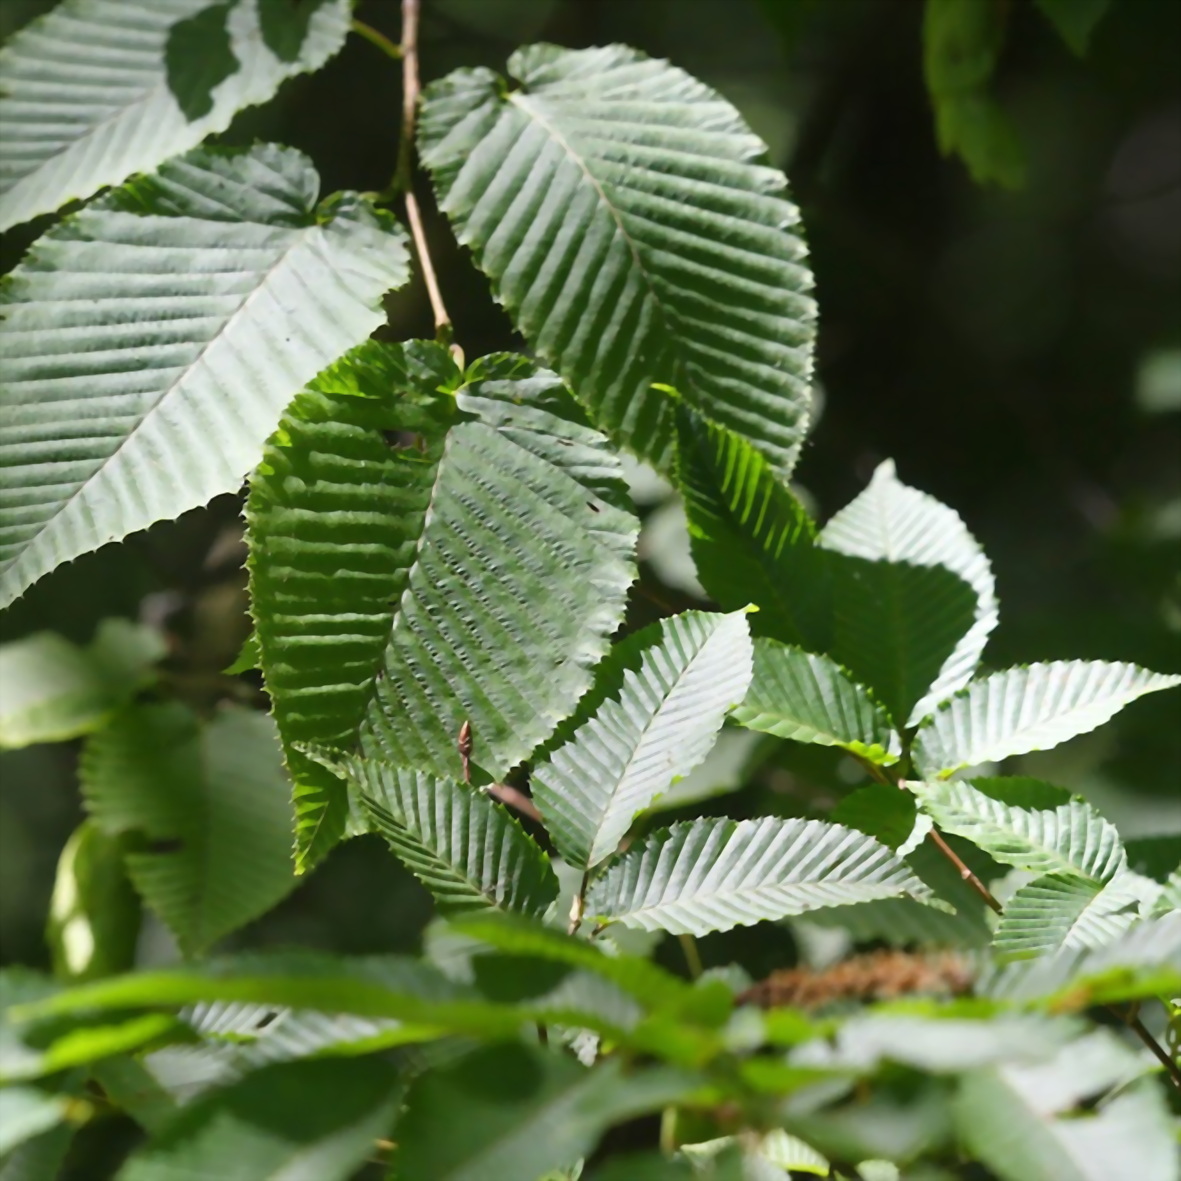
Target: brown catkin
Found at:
x=877, y=975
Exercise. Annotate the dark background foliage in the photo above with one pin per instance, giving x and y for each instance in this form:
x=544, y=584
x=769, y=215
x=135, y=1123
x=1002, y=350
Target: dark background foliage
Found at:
x=1018, y=353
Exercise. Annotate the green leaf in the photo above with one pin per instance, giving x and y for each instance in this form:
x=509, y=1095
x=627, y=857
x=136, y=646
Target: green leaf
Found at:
x=38, y=1159
x=1061, y=910
x=1029, y=1122
x=1072, y=839
x=1029, y=708
x=891, y=522
x=1075, y=20
x=403, y=590
x=714, y=874
x=94, y=914
x=1170, y=895
x=26, y=1112
x=524, y=1111
x=752, y=540
x=469, y=852
x=302, y=1121
x=210, y=802
x=1145, y=961
x=54, y=690
x=200, y=300
x=100, y=89
x=806, y=698
x=633, y=229
x=657, y=704
x=962, y=42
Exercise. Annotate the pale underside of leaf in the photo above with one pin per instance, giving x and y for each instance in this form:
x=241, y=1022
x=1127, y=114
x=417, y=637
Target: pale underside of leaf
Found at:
x=1030, y=708
x=1060, y=911
x=809, y=698
x=85, y=99
x=152, y=340
x=469, y=852
x=627, y=220
x=665, y=693
x=1071, y=839
x=892, y=522
x=711, y=875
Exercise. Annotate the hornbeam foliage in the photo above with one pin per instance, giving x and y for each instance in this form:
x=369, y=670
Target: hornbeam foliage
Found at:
x=447, y=629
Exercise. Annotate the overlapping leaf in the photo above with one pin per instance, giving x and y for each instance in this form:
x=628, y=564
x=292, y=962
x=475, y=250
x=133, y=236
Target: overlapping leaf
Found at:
x=469, y=852
x=404, y=582
x=714, y=874
x=630, y=223
x=152, y=340
x=1028, y=1122
x=99, y=89
x=895, y=524
x=54, y=690
x=1031, y=708
x=1072, y=839
x=211, y=804
x=1064, y=911
x=658, y=702
x=807, y=698
x=751, y=539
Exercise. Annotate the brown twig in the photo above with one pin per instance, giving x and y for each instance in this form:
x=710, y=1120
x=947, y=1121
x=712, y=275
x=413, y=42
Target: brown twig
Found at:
x=1172, y=1068
x=404, y=175
x=512, y=798
x=937, y=840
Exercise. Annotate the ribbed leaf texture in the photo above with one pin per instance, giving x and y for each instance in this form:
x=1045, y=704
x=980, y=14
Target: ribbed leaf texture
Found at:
x=752, y=540
x=99, y=89
x=657, y=704
x=1024, y=709
x=631, y=225
x=892, y=522
x=405, y=581
x=1063, y=911
x=1040, y=1122
x=468, y=851
x=794, y=694
x=714, y=874
x=152, y=340
x=210, y=801
x=1071, y=839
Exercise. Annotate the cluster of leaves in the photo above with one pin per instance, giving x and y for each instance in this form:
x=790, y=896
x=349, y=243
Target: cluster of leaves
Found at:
x=440, y=557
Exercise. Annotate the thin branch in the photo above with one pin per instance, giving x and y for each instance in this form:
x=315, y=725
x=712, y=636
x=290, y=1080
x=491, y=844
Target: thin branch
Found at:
x=691, y=954
x=937, y=840
x=1142, y=1031
x=378, y=38
x=511, y=798
x=404, y=175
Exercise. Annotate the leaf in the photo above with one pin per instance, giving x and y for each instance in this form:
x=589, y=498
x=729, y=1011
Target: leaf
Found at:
x=1072, y=839
x=891, y=522
x=1061, y=910
x=524, y=1112
x=1029, y=708
x=196, y=303
x=54, y=690
x=94, y=914
x=302, y=1121
x=962, y=42
x=714, y=874
x=26, y=1112
x=751, y=539
x=807, y=698
x=38, y=1159
x=632, y=227
x=402, y=591
x=100, y=89
x=217, y=841
x=1024, y=1121
x=1145, y=961
x=657, y=704
x=1075, y=20
x=466, y=850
